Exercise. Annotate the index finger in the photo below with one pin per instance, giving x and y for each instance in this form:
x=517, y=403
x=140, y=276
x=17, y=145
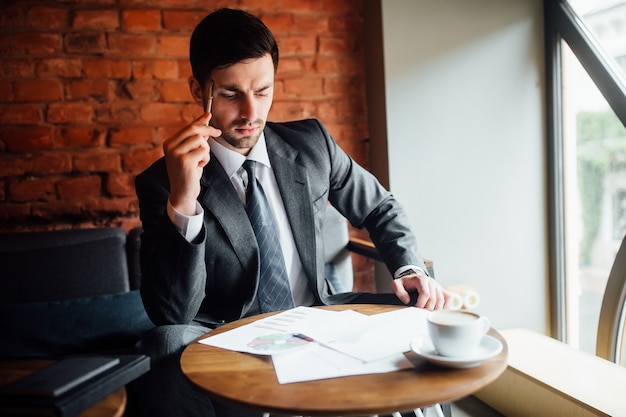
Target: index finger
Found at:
x=203, y=120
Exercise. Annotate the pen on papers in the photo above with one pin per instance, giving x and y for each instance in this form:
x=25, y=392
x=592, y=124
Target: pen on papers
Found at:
x=326, y=345
x=304, y=337
x=209, y=100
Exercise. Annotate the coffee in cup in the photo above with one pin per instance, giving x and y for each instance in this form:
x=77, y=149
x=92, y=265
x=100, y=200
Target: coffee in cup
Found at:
x=456, y=332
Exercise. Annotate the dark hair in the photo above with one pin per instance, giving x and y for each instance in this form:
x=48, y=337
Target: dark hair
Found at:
x=227, y=36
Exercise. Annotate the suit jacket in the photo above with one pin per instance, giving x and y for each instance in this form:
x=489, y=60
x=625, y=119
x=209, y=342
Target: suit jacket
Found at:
x=214, y=278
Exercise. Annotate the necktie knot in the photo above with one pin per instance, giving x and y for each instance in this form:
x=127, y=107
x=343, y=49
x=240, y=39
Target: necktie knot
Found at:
x=249, y=165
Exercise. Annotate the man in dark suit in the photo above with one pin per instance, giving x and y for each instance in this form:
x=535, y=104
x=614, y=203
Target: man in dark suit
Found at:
x=200, y=259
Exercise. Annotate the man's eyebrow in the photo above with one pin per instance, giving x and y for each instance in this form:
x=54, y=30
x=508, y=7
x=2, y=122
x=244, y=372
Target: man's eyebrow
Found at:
x=229, y=88
x=265, y=87
x=236, y=89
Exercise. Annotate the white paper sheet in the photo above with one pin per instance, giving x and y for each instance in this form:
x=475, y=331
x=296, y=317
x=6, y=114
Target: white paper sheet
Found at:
x=381, y=345
x=272, y=335
x=386, y=334
x=350, y=343
x=320, y=363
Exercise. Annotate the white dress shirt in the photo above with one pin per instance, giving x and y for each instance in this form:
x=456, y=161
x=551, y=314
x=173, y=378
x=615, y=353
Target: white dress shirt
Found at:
x=231, y=161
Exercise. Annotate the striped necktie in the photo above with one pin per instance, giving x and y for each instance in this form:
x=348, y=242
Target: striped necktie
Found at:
x=274, y=292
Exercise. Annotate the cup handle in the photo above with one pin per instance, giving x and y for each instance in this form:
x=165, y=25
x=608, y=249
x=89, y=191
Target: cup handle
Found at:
x=485, y=323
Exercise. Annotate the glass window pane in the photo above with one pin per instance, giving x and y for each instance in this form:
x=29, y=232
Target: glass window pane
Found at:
x=606, y=19
x=595, y=188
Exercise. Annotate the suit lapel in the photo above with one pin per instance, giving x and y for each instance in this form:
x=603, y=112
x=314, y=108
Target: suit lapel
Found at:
x=293, y=183
x=220, y=198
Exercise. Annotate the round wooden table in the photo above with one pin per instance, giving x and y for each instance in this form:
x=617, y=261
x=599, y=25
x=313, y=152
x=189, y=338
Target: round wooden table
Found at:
x=249, y=381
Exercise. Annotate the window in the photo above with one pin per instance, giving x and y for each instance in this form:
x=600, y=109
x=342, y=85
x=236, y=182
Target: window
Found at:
x=594, y=160
x=586, y=52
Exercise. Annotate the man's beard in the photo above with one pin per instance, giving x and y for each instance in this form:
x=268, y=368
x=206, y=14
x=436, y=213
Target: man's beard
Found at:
x=243, y=142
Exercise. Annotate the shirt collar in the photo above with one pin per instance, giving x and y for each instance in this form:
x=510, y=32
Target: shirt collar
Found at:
x=231, y=161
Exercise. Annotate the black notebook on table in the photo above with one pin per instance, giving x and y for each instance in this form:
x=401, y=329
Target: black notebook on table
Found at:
x=70, y=385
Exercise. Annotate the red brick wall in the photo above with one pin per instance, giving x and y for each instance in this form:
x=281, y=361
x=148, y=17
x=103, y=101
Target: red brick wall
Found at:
x=89, y=89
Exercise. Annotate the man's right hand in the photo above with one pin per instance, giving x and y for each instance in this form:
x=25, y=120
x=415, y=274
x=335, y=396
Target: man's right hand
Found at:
x=186, y=154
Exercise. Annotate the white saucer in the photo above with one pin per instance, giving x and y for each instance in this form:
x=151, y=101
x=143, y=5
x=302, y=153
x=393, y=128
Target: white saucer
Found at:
x=489, y=347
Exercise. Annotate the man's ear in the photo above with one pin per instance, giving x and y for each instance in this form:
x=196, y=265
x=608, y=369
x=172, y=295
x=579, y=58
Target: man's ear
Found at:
x=197, y=92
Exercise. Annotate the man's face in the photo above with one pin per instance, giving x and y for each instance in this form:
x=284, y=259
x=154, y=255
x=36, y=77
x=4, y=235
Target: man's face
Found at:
x=242, y=97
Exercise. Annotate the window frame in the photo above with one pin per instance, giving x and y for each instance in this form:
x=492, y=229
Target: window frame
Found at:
x=561, y=23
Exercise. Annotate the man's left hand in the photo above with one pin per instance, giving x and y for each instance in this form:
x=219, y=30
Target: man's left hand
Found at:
x=431, y=295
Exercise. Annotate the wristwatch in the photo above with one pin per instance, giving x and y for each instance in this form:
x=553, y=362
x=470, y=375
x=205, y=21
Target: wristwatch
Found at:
x=411, y=271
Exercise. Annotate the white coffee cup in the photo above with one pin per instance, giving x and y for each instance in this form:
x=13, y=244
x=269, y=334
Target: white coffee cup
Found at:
x=456, y=332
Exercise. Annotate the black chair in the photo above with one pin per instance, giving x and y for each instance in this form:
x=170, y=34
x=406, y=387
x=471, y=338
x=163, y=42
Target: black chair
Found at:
x=62, y=264
x=133, y=247
x=67, y=292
